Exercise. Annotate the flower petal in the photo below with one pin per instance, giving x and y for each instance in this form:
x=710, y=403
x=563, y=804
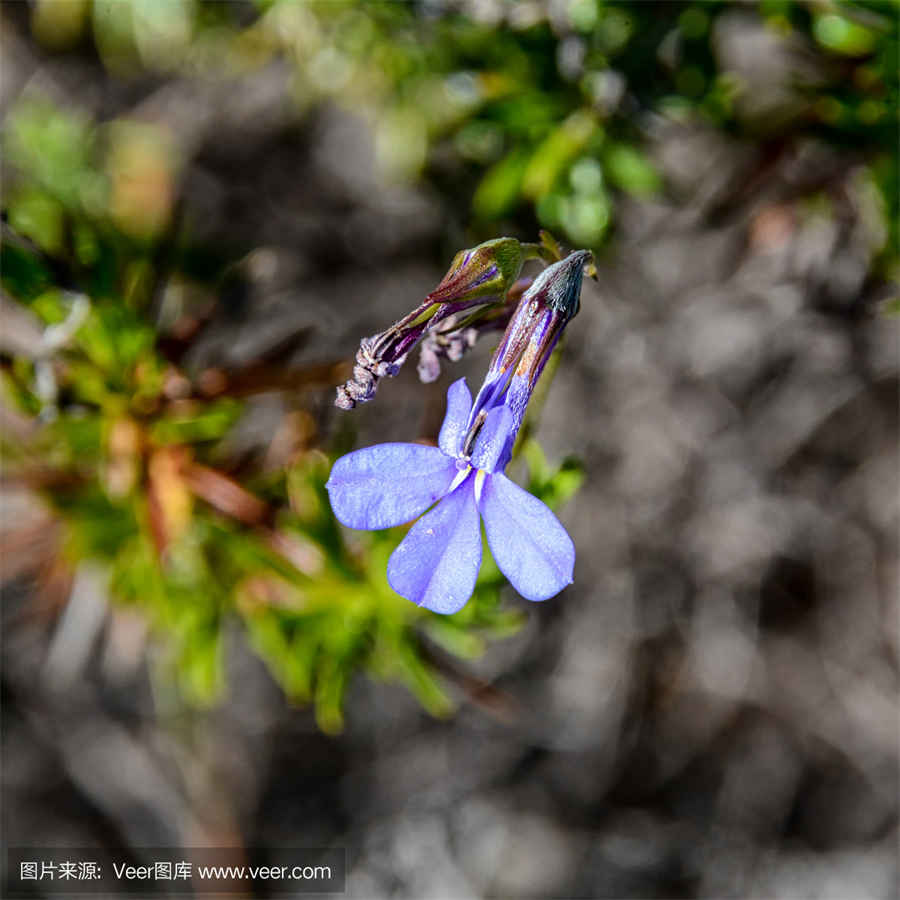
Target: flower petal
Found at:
x=529, y=544
x=388, y=484
x=459, y=402
x=437, y=563
x=492, y=446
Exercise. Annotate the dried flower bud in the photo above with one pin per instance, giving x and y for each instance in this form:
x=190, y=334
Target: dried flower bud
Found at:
x=480, y=277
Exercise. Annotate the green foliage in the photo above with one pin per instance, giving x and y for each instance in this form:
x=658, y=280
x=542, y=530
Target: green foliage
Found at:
x=552, y=485
x=510, y=111
x=129, y=467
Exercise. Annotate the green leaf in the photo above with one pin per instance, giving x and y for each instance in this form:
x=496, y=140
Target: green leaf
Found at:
x=199, y=667
x=554, y=154
x=553, y=486
x=205, y=422
x=629, y=169
x=52, y=147
x=97, y=528
x=24, y=274
x=421, y=680
x=841, y=35
x=455, y=640
x=38, y=216
x=498, y=191
x=331, y=682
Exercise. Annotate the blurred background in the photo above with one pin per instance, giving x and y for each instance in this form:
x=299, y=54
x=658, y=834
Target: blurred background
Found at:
x=206, y=205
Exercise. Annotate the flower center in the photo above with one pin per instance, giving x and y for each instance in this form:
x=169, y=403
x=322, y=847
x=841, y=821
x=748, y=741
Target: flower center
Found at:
x=463, y=474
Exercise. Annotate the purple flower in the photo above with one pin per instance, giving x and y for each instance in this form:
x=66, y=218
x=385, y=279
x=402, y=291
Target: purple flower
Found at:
x=437, y=563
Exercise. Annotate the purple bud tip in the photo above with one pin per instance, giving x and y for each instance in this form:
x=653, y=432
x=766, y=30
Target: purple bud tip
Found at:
x=559, y=285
